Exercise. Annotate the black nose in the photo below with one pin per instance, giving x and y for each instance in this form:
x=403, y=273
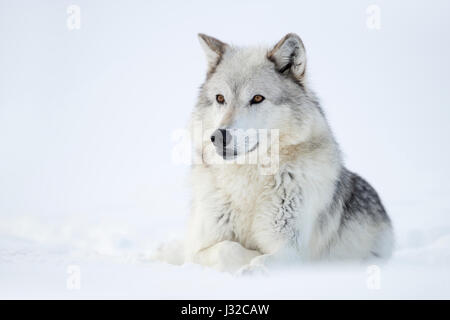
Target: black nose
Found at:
x=221, y=138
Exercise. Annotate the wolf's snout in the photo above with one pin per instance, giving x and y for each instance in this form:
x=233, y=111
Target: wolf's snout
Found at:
x=221, y=138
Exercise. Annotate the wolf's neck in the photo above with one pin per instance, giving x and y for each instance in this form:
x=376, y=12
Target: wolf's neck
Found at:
x=320, y=148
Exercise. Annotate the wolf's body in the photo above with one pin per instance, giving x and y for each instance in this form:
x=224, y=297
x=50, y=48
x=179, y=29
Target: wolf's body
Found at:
x=311, y=207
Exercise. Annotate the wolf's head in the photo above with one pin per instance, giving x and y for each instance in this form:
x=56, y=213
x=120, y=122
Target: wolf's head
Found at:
x=249, y=89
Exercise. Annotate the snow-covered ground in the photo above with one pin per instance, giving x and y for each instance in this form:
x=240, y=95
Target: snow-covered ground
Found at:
x=88, y=183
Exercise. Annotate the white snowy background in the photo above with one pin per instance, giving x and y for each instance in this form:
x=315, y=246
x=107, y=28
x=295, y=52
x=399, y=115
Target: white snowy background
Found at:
x=86, y=122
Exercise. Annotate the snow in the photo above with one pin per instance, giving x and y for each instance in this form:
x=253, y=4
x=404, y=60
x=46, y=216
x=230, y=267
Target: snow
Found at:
x=87, y=175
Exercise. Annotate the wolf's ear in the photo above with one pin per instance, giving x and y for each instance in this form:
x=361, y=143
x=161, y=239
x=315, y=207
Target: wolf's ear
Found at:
x=289, y=56
x=214, y=49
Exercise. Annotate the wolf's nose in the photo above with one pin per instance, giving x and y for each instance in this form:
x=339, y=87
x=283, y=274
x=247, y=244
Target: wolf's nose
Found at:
x=221, y=138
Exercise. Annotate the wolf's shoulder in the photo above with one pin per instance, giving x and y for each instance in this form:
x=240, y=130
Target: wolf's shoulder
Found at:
x=358, y=197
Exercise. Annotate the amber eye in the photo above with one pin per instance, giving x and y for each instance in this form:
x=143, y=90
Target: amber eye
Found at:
x=257, y=99
x=220, y=99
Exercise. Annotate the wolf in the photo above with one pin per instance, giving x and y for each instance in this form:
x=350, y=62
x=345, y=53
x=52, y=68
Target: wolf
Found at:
x=310, y=207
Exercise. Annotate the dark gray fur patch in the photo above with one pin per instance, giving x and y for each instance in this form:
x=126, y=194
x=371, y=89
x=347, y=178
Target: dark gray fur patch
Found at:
x=286, y=217
x=358, y=199
x=225, y=215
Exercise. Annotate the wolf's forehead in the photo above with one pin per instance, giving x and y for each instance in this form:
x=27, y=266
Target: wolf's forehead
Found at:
x=242, y=66
x=247, y=56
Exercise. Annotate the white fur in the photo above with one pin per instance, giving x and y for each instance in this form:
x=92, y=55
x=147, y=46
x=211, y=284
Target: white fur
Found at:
x=236, y=221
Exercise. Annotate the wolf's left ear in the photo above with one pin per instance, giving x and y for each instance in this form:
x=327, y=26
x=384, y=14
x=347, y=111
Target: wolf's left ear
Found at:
x=214, y=49
x=289, y=56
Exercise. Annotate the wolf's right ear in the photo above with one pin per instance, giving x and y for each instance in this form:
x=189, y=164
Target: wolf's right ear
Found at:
x=214, y=49
x=289, y=56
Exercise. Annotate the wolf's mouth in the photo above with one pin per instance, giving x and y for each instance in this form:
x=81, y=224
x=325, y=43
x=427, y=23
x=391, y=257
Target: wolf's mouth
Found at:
x=232, y=154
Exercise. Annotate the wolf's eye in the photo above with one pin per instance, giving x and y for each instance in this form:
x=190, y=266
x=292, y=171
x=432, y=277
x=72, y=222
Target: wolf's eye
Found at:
x=257, y=99
x=220, y=99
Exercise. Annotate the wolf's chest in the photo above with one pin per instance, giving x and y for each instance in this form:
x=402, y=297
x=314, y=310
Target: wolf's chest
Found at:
x=250, y=200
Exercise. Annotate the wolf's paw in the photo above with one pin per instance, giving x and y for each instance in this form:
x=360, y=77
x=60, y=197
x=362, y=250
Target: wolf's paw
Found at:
x=255, y=267
x=250, y=270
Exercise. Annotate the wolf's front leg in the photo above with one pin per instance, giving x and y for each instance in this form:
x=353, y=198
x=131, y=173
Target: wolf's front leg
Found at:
x=226, y=255
x=279, y=235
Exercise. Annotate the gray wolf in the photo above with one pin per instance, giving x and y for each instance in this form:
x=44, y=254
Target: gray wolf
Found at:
x=311, y=207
